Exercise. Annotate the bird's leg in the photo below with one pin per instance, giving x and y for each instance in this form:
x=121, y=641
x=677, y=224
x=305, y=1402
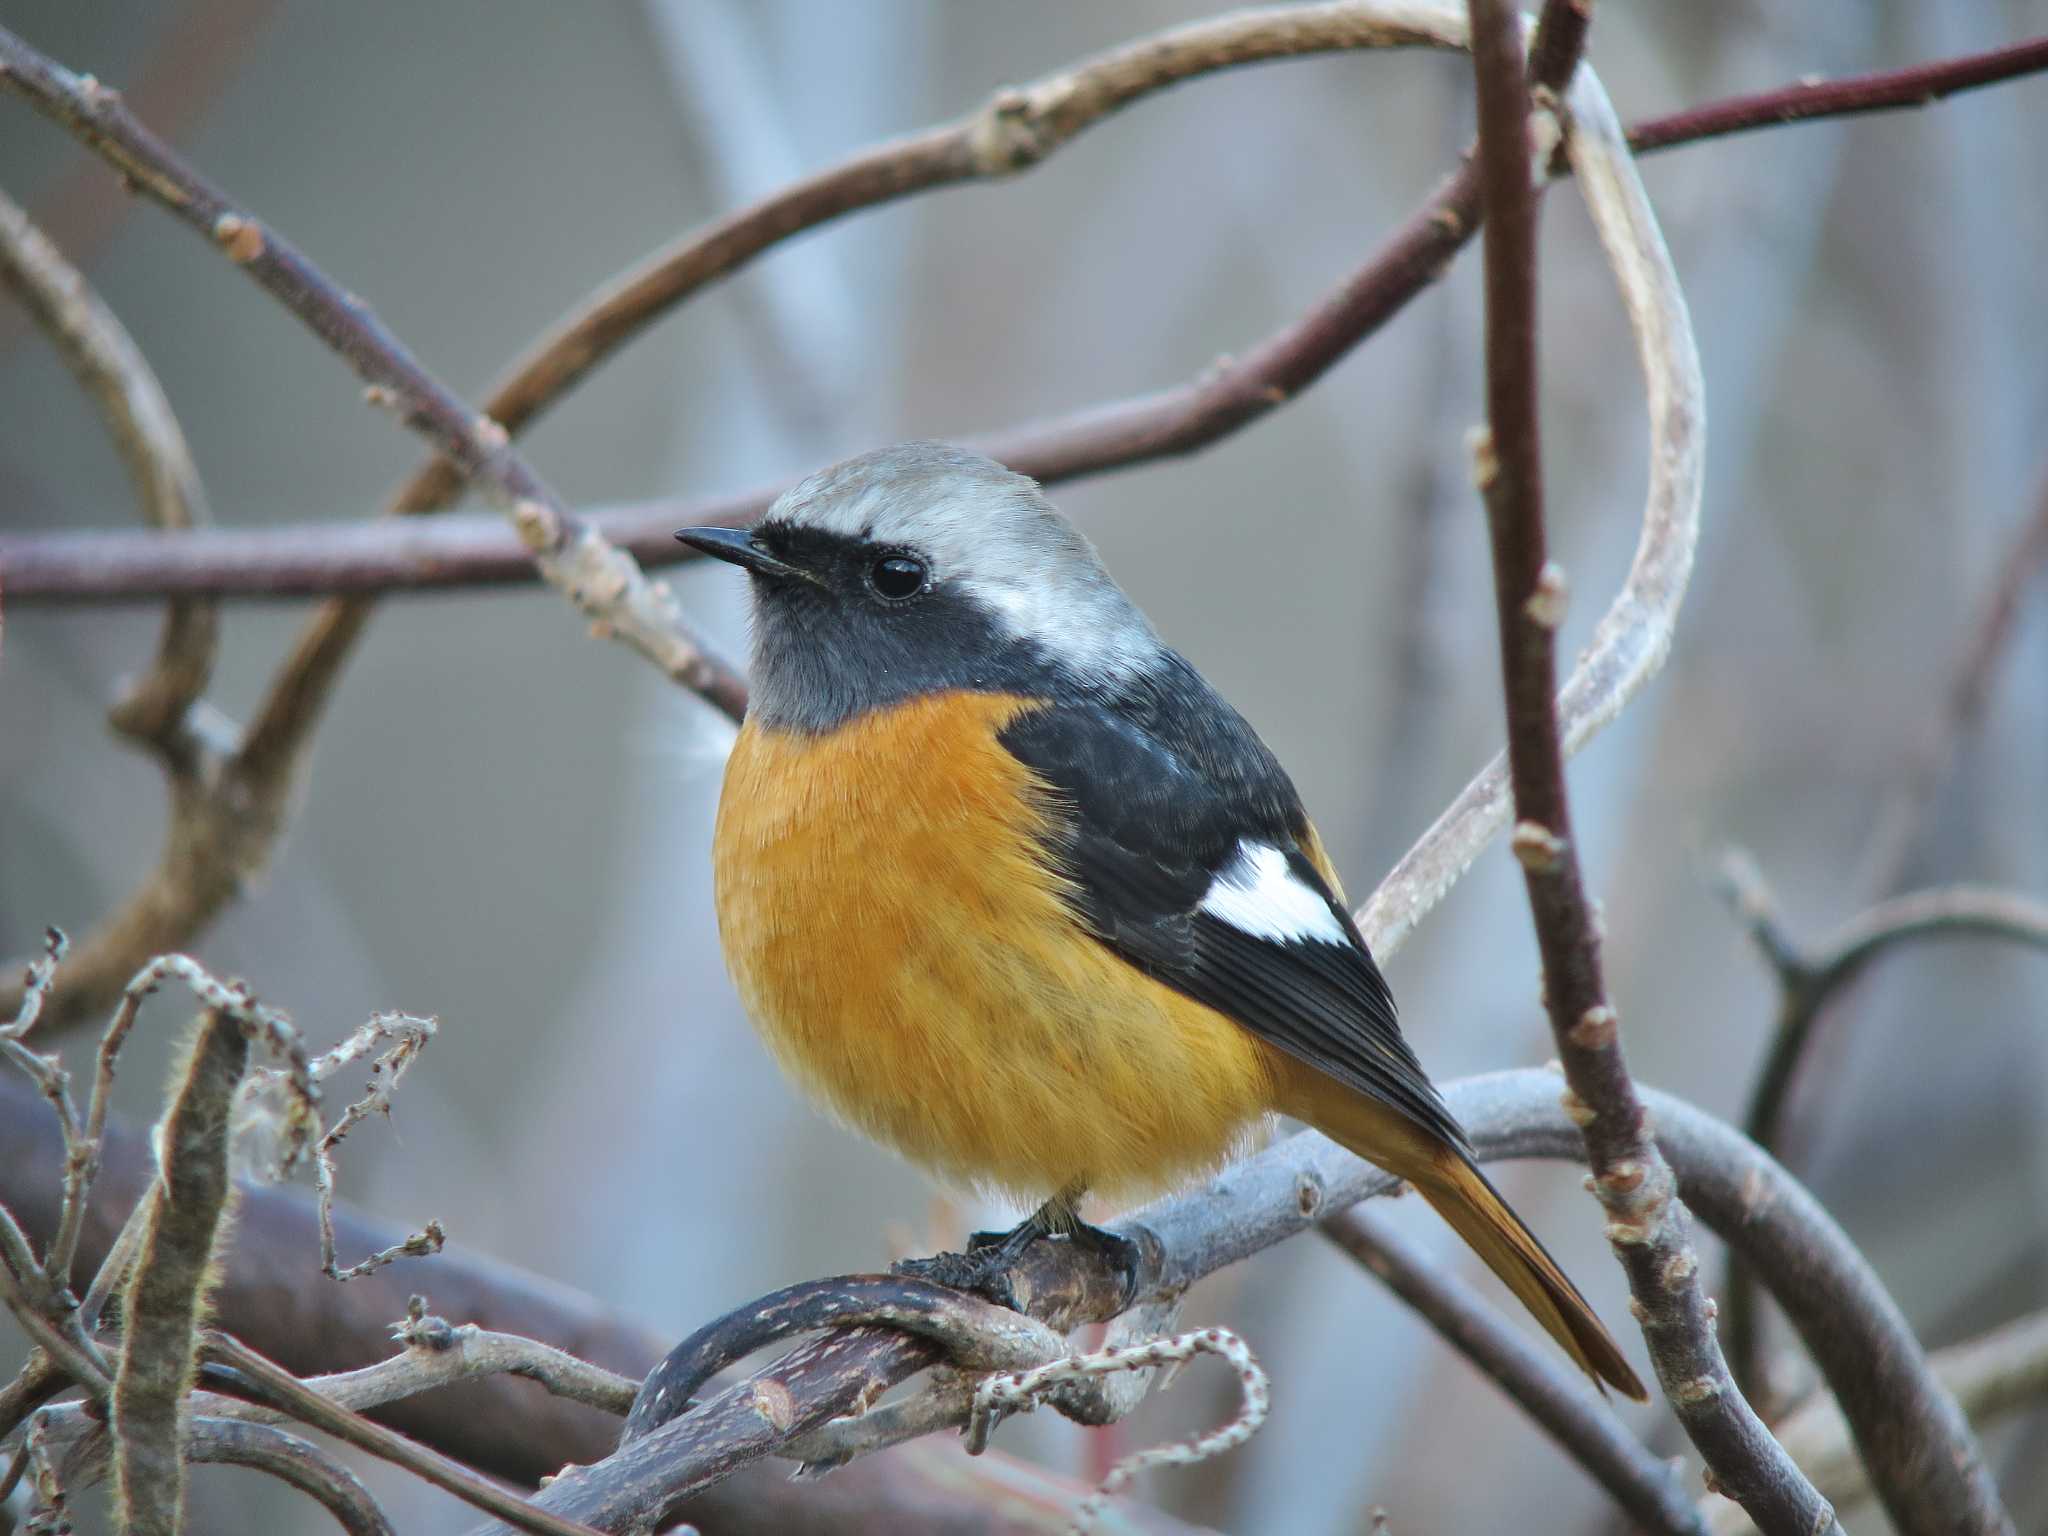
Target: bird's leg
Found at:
x=984, y=1269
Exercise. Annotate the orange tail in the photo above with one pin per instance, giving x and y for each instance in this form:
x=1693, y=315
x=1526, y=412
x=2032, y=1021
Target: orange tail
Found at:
x=1462, y=1195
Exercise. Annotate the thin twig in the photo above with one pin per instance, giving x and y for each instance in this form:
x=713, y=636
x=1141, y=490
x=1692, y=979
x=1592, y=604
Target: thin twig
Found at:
x=1901, y=821
x=1917, y=85
x=438, y=1354
x=408, y=1036
x=1809, y=979
x=310, y=1408
x=1560, y=1401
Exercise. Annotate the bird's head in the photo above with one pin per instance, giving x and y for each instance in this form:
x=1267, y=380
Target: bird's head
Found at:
x=921, y=568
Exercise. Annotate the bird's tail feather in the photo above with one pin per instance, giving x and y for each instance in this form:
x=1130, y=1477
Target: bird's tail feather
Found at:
x=1465, y=1198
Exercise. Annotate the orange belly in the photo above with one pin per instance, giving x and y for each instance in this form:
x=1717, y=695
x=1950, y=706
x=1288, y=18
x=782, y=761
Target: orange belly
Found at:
x=902, y=946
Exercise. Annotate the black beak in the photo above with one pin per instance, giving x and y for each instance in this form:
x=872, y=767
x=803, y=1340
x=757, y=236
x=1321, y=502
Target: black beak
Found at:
x=737, y=546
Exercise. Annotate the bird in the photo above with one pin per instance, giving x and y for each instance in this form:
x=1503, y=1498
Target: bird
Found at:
x=1010, y=888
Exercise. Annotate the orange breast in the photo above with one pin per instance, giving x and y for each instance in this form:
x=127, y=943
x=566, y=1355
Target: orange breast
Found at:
x=902, y=946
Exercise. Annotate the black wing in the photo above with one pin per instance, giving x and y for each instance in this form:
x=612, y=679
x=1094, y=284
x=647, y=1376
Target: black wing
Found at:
x=1183, y=840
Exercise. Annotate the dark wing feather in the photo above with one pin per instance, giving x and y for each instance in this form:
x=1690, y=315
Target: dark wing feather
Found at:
x=1141, y=833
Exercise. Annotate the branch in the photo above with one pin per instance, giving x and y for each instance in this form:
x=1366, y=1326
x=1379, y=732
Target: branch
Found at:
x=1560, y=1401
x=1886, y=90
x=290, y=1459
x=1900, y=823
x=157, y=711
x=1647, y=1228
x=605, y=584
x=306, y=560
x=1809, y=979
x=281, y=1387
x=111, y=368
x=1921, y=1452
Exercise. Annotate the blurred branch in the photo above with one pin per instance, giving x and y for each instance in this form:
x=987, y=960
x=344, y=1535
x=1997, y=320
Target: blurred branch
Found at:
x=1809, y=979
x=601, y=581
x=1921, y=1451
x=112, y=370
x=305, y=560
x=1645, y=1486
x=1647, y=1227
x=221, y=821
x=1900, y=823
x=1917, y=85
x=2003, y=1372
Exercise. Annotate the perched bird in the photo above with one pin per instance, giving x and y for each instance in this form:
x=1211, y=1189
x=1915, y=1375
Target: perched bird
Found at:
x=1006, y=884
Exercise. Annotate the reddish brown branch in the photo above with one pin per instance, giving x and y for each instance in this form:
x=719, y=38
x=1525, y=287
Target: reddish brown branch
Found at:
x=462, y=551
x=1647, y=1227
x=1917, y=85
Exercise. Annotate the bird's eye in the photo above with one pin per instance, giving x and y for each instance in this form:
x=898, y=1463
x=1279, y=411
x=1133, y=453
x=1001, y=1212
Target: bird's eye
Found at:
x=896, y=578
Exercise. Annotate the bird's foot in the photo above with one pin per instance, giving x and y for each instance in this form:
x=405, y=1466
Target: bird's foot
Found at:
x=985, y=1268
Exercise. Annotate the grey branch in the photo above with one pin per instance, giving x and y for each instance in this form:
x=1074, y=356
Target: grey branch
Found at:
x=1923, y=1458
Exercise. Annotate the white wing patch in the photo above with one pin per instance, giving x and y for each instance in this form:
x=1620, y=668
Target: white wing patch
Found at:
x=1257, y=893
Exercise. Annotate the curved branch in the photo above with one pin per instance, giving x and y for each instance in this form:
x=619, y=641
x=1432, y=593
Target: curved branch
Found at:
x=290, y=1459
x=1630, y=642
x=1808, y=980
x=111, y=368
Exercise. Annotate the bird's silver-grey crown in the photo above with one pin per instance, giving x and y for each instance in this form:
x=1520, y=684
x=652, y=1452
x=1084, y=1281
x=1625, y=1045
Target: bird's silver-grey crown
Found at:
x=991, y=536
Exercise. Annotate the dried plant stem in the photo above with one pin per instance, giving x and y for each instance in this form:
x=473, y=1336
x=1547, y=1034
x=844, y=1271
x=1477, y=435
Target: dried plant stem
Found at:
x=165, y=1302
x=294, y=1460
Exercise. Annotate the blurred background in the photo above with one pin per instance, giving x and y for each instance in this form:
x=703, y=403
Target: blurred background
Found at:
x=507, y=824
